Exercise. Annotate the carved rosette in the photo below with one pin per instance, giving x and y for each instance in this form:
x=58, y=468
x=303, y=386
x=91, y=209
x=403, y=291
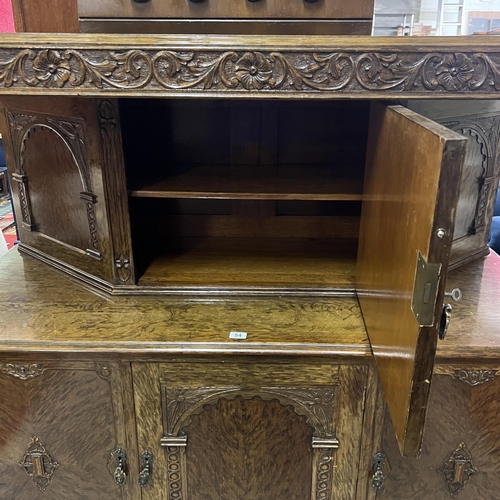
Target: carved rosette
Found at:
x=38, y=463
x=475, y=377
x=22, y=371
x=458, y=469
x=104, y=371
x=316, y=404
x=218, y=70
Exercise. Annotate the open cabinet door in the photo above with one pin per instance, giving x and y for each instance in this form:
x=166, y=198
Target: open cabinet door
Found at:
x=411, y=189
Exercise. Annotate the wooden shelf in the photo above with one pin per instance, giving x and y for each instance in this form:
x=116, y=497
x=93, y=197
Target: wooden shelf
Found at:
x=256, y=182
x=255, y=262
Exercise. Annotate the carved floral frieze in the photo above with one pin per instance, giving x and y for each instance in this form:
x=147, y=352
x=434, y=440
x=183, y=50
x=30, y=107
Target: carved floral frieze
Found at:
x=255, y=71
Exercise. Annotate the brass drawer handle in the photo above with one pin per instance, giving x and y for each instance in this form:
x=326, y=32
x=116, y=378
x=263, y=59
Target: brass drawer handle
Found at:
x=121, y=463
x=147, y=468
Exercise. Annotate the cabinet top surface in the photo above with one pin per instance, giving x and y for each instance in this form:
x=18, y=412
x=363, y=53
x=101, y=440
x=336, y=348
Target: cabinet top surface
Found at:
x=290, y=42
x=45, y=311
x=474, y=330
x=253, y=66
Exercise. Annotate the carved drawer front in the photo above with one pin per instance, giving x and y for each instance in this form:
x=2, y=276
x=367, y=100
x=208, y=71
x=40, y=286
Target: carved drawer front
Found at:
x=60, y=422
x=460, y=455
x=226, y=9
x=251, y=431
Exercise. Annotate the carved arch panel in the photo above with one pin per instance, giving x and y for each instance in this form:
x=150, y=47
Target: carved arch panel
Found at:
x=51, y=151
x=480, y=176
x=250, y=427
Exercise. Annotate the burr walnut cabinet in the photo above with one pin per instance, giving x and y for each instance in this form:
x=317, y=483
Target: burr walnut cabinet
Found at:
x=228, y=241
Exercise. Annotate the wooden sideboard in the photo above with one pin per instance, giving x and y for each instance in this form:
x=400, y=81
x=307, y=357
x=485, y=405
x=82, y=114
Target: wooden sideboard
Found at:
x=83, y=376
x=251, y=239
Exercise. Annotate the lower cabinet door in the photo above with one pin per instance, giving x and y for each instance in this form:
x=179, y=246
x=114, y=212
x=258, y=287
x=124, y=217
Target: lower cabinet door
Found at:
x=61, y=424
x=461, y=447
x=250, y=430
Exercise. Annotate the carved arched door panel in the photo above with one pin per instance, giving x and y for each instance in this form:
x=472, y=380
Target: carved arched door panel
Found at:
x=480, y=175
x=251, y=431
x=68, y=184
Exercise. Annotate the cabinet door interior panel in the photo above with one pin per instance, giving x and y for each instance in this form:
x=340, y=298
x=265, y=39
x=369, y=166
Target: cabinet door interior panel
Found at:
x=411, y=186
x=61, y=421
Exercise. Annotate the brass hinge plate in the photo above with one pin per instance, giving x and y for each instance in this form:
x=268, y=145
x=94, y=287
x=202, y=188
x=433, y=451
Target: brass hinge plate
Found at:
x=425, y=291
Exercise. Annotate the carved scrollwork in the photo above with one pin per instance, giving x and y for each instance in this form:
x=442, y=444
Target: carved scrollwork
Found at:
x=316, y=404
x=475, y=377
x=22, y=371
x=458, y=469
x=254, y=71
x=38, y=463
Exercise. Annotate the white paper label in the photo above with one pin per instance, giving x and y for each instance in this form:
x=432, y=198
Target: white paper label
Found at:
x=238, y=335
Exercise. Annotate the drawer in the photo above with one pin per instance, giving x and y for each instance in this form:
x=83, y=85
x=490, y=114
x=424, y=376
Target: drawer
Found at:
x=227, y=9
x=268, y=430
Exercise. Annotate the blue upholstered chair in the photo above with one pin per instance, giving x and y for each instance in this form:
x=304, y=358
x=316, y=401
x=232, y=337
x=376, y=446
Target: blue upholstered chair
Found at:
x=495, y=227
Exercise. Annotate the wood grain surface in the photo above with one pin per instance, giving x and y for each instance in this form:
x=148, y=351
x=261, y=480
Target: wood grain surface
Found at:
x=458, y=413
x=56, y=16
x=411, y=183
x=251, y=449
x=71, y=409
x=44, y=310
x=227, y=26
x=263, y=262
x=473, y=333
x=282, y=182
x=358, y=9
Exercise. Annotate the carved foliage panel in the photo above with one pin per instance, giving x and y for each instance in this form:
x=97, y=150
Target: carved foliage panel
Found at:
x=314, y=71
x=53, y=177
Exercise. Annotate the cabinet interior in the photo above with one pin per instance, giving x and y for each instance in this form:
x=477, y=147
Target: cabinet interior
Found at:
x=226, y=193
